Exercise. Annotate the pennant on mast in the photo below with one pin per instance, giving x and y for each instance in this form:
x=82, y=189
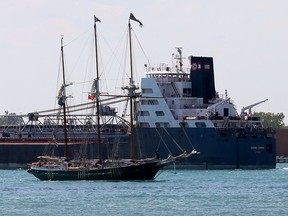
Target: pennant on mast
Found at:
x=96, y=19
x=132, y=17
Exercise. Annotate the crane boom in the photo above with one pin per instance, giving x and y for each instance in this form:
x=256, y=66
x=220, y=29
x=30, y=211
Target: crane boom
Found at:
x=251, y=106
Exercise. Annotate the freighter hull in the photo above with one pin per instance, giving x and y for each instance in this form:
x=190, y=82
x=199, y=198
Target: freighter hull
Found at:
x=219, y=149
x=18, y=153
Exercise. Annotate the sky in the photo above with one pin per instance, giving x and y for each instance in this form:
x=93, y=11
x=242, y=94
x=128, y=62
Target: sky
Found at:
x=247, y=39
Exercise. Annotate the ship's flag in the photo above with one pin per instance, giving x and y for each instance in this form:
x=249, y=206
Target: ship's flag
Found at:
x=96, y=19
x=91, y=97
x=132, y=17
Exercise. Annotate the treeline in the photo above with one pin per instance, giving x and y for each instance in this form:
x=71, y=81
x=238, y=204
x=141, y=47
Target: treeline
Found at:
x=272, y=120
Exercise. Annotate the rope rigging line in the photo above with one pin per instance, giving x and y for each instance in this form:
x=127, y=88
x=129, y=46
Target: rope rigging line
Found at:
x=173, y=140
x=187, y=136
x=140, y=137
x=141, y=46
x=125, y=57
x=76, y=38
x=163, y=140
x=81, y=54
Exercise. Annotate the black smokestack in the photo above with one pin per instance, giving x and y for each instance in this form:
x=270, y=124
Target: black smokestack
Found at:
x=202, y=78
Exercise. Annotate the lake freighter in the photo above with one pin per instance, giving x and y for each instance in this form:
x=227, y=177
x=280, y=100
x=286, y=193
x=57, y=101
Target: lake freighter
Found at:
x=176, y=105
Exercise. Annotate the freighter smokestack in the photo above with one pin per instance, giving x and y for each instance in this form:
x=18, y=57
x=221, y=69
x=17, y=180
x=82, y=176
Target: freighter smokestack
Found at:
x=202, y=77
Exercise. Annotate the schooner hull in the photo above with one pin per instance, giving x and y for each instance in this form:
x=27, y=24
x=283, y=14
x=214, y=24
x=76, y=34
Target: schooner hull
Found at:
x=145, y=171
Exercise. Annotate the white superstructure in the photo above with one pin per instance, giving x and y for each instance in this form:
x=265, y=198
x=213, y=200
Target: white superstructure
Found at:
x=167, y=100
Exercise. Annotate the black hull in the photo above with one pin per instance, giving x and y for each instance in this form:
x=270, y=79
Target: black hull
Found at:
x=219, y=149
x=145, y=171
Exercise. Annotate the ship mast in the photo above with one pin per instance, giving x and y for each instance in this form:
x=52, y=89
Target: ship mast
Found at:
x=131, y=88
x=97, y=90
x=62, y=102
x=131, y=82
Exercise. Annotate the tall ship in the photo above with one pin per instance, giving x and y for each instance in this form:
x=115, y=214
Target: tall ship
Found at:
x=60, y=168
x=177, y=109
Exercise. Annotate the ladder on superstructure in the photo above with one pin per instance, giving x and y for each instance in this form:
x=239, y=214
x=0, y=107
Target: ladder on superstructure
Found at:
x=175, y=89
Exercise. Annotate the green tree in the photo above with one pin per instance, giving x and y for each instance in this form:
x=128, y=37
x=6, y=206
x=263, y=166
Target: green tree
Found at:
x=271, y=119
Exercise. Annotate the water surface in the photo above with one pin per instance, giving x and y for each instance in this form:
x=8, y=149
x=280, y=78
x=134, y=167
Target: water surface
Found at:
x=186, y=192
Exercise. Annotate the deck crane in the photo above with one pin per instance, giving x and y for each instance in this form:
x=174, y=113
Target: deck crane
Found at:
x=250, y=107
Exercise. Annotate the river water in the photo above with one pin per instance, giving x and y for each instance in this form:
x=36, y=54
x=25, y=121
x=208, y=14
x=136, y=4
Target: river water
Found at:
x=180, y=192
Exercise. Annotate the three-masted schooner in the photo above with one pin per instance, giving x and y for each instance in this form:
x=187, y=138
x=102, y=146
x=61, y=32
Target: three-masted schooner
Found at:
x=62, y=168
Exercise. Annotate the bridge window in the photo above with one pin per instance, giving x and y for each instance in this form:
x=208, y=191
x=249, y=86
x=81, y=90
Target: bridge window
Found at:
x=144, y=124
x=149, y=102
x=147, y=90
x=144, y=113
x=186, y=90
x=159, y=113
x=200, y=124
x=162, y=124
x=183, y=124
